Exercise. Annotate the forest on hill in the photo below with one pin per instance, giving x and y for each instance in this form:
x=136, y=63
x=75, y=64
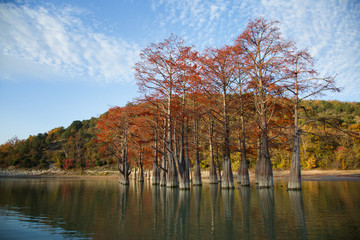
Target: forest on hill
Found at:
x=225, y=109
x=330, y=142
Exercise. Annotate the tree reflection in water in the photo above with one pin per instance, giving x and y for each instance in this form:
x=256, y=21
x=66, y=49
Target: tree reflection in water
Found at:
x=213, y=203
x=228, y=201
x=106, y=210
x=171, y=203
x=155, y=192
x=123, y=200
x=297, y=203
x=267, y=209
x=183, y=215
x=197, y=197
x=245, y=202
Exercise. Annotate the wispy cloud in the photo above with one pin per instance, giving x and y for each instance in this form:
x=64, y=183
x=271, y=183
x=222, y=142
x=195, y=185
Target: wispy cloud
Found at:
x=60, y=40
x=329, y=29
x=196, y=20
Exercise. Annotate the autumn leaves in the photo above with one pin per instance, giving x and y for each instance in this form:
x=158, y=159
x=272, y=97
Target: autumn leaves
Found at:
x=212, y=102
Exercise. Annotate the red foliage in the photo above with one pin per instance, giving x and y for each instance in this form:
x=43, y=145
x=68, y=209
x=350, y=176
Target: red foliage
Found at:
x=90, y=163
x=68, y=164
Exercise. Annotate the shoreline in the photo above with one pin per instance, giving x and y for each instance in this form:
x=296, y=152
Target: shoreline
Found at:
x=306, y=175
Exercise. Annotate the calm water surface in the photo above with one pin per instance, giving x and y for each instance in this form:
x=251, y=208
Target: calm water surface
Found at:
x=103, y=209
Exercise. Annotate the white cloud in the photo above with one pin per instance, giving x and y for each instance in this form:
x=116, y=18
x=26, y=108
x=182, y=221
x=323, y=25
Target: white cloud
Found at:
x=329, y=29
x=59, y=39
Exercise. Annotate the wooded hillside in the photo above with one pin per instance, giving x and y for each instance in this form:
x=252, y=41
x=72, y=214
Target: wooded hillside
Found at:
x=332, y=142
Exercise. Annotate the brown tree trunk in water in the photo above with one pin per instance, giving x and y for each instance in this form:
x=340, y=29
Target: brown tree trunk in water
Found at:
x=141, y=174
x=123, y=167
x=183, y=166
x=163, y=165
x=124, y=177
x=172, y=174
x=155, y=176
x=227, y=178
x=218, y=162
x=163, y=172
x=243, y=172
x=140, y=177
x=196, y=180
x=265, y=179
x=258, y=160
x=187, y=161
x=295, y=168
x=213, y=176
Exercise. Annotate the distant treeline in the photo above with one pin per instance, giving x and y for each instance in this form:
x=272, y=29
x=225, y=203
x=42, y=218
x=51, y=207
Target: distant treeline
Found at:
x=331, y=140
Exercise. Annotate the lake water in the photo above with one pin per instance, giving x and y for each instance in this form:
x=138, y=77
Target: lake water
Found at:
x=46, y=208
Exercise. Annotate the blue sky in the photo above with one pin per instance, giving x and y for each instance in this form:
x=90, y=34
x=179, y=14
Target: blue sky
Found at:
x=66, y=60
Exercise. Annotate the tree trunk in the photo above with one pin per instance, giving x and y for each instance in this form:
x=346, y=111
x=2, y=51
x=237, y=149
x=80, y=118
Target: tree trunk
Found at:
x=183, y=170
x=183, y=158
x=243, y=172
x=163, y=172
x=265, y=179
x=141, y=174
x=172, y=174
x=135, y=175
x=257, y=168
x=124, y=177
x=187, y=162
x=295, y=168
x=155, y=176
x=213, y=176
x=227, y=178
x=163, y=165
x=196, y=180
x=123, y=168
x=218, y=162
x=184, y=182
